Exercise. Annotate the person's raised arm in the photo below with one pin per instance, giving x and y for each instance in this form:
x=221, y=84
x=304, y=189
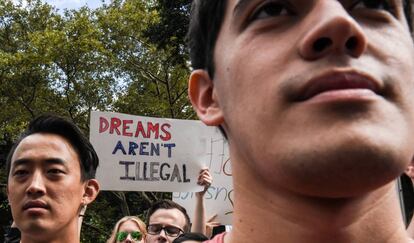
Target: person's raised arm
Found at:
x=204, y=179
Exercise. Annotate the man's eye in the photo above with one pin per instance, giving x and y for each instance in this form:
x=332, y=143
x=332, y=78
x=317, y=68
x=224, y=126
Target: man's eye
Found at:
x=270, y=9
x=20, y=173
x=372, y=4
x=55, y=171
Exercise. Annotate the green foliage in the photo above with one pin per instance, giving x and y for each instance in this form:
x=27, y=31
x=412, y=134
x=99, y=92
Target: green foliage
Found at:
x=171, y=29
x=126, y=56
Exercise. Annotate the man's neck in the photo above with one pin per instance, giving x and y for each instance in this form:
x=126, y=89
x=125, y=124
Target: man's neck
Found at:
x=264, y=213
x=65, y=235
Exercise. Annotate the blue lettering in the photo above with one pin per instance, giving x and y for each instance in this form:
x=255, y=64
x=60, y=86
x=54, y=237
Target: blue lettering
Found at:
x=169, y=146
x=142, y=148
x=155, y=148
x=120, y=147
x=132, y=147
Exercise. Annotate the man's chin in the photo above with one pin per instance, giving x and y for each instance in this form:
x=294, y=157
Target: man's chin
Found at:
x=346, y=171
x=38, y=227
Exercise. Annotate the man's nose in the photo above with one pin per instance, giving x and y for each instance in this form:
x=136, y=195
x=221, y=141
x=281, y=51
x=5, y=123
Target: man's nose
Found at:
x=37, y=185
x=334, y=32
x=163, y=234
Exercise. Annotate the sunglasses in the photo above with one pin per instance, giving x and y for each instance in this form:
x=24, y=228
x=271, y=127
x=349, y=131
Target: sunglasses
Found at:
x=122, y=235
x=155, y=229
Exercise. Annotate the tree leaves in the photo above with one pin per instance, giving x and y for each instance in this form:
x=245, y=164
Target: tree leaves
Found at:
x=126, y=56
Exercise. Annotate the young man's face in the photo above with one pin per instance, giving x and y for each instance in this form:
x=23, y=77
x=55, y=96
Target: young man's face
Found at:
x=172, y=219
x=315, y=95
x=44, y=186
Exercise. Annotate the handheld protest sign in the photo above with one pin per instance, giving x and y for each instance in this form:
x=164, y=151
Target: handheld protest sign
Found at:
x=147, y=154
x=219, y=196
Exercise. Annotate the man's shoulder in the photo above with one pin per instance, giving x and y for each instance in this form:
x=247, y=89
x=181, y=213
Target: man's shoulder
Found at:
x=217, y=239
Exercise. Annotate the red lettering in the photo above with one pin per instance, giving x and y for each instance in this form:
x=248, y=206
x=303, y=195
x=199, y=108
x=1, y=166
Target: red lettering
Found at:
x=167, y=135
x=153, y=129
x=125, y=127
x=103, y=124
x=115, y=123
x=140, y=129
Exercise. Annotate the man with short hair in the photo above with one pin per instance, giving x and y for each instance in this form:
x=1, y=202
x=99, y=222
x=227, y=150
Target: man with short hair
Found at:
x=51, y=171
x=316, y=100
x=166, y=220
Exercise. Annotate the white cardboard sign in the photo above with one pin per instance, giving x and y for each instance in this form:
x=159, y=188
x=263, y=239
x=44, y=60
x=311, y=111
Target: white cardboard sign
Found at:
x=147, y=154
x=156, y=154
x=219, y=197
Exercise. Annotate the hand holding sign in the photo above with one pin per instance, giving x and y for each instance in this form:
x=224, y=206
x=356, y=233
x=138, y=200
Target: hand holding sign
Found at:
x=204, y=179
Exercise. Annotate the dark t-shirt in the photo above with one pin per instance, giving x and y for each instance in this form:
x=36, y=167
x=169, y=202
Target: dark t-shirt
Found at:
x=12, y=236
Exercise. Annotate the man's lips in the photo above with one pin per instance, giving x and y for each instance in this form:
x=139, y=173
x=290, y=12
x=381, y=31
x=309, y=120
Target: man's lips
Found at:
x=35, y=204
x=336, y=81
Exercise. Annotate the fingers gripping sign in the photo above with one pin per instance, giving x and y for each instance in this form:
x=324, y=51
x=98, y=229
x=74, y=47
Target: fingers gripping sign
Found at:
x=204, y=179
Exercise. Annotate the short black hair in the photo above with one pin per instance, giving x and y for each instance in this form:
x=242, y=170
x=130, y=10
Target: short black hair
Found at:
x=206, y=19
x=408, y=12
x=205, y=23
x=168, y=204
x=52, y=124
x=190, y=236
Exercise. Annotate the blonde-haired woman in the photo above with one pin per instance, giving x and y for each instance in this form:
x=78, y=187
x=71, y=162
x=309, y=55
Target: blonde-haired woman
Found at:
x=128, y=229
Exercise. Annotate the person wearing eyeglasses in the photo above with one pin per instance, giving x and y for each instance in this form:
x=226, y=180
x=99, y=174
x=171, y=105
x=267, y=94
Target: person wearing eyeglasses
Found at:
x=127, y=230
x=166, y=221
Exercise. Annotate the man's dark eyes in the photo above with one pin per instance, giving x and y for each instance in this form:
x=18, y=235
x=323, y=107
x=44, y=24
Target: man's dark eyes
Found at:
x=280, y=8
x=20, y=172
x=270, y=9
x=55, y=171
x=372, y=4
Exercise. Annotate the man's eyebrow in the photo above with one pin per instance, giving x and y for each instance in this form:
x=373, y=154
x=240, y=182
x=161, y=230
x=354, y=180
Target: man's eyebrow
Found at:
x=55, y=161
x=20, y=162
x=240, y=6
x=47, y=161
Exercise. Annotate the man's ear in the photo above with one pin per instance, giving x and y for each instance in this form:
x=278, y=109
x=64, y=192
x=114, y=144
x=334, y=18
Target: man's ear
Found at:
x=204, y=99
x=91, y=191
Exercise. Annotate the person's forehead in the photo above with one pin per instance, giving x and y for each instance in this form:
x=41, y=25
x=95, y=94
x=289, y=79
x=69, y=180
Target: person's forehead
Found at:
x=129, y=225
x=44, y=147
x=168, y=216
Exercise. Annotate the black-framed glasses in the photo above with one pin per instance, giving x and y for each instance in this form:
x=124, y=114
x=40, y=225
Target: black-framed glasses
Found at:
x=122, y=235
x=155, y=229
